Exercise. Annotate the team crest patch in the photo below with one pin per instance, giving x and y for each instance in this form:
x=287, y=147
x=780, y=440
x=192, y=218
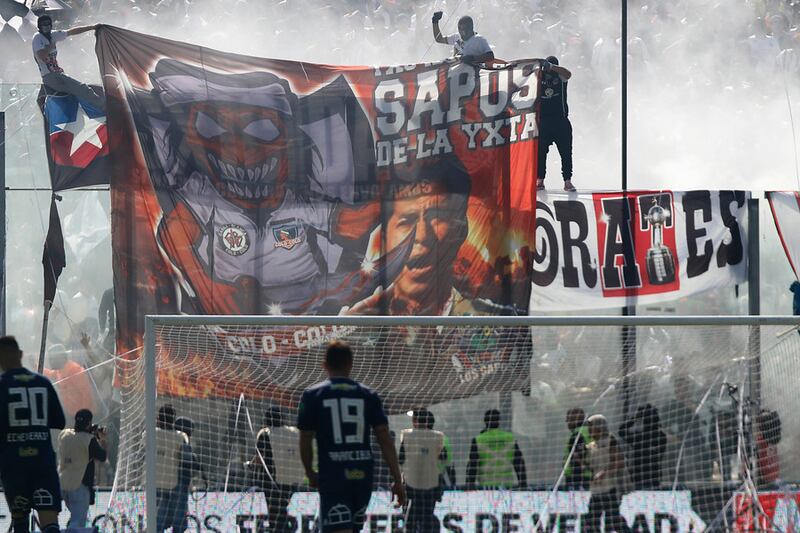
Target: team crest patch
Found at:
x=235, y=240
x=287, y=236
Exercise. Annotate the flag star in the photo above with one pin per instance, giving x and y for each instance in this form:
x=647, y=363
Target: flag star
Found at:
x=84, y=130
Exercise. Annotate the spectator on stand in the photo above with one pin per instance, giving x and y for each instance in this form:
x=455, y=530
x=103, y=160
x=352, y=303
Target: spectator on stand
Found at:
x=577, y=473
x=70, y=379
x=647, y=444
x=468, y=45
x=768, y=435
x=608, y=467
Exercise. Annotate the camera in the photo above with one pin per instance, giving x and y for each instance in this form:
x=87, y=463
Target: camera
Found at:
x=95, y=429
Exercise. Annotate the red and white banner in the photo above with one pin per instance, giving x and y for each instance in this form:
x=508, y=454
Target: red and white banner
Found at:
x=786, y=212
x=597, y=250
x=776, y=511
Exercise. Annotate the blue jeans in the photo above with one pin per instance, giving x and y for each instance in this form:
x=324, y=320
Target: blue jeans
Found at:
x=78, y=504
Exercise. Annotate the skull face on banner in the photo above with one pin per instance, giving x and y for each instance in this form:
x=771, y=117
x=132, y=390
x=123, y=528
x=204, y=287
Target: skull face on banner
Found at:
x=235, y=158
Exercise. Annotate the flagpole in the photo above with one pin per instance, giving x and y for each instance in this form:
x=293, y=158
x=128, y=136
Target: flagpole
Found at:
x=47, y=306
x=3, y=275
x=628, y=334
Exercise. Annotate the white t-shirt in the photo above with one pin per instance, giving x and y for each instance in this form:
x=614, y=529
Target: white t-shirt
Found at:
x=474, y=46
x=40, y=42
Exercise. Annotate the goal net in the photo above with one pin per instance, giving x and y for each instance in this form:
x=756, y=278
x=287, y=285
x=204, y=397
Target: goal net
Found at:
x=700, y=412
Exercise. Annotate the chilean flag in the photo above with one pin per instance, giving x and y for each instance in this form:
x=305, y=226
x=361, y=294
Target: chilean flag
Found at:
x=77, y=143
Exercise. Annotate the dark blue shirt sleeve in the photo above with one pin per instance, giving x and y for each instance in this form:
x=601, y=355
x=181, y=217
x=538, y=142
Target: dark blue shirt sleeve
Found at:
x=306, y=414
x=375, y=415
x=55, y=416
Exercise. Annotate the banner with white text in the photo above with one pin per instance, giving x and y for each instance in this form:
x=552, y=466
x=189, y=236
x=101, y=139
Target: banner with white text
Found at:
x=458, y=512
x=611, y=249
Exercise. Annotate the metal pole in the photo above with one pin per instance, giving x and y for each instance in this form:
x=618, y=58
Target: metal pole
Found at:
x=752, y=404
x=151, y=511
x=624, y=93
x=43, y=344
x=628, y=332
x=3, y=277
x=754, y=298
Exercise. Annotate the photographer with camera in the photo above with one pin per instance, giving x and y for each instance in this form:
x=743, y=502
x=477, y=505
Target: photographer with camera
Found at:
x=78, y=449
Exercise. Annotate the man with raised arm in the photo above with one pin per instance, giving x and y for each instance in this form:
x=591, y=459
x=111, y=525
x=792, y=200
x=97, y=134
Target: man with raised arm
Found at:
x=29, y=409
x=45, y=53
x=471, y=47
x=338, y=413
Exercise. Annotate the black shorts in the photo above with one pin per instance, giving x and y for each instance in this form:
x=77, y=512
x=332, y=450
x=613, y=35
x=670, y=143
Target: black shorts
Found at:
x=32, y=487
x=344, y=508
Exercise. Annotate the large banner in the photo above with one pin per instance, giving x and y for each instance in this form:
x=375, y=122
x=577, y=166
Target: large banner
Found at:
x=785, y=208
x=257, y=186
x=458, y=512
x=597, y=250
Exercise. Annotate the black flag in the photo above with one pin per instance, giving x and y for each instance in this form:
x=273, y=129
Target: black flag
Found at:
x=54, y=258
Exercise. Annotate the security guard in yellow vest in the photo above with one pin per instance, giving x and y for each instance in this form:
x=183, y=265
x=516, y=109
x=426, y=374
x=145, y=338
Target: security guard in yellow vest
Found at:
x=577, y=472
x=277, y=460
x=495, y=460
x=423, y=453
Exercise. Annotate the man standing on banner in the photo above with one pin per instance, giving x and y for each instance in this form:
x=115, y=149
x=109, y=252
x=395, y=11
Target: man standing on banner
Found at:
x=78, y=449
x=423, y=453
x=278, y=463
x=30, y=409
x=495, y=460
x=338, y=413
x=554, y=124
x=45, y=53
x=471, y=47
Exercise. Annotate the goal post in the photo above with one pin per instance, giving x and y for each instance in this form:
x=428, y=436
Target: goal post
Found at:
x=224, y=371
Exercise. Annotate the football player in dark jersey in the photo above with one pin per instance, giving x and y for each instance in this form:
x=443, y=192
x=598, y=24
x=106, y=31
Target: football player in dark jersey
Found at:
x=339, y=413
x=28, y=468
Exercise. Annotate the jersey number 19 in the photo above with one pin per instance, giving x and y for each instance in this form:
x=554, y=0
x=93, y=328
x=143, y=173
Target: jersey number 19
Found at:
x=346, y=411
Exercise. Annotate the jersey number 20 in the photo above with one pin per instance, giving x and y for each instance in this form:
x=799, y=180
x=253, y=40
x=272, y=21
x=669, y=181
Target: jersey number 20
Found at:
x=33, y=400
x=346, y=411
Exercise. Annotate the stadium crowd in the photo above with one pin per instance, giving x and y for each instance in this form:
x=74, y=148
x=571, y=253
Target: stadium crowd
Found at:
x=585, y=38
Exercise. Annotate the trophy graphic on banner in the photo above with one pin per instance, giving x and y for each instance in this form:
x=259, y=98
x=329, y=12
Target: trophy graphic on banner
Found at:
x=660, y=262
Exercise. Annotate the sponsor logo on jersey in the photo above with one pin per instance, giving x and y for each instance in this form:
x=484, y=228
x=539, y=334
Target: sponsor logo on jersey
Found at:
x=354, y=474
x=28, y=452
x=235, y=240
x=287, y=236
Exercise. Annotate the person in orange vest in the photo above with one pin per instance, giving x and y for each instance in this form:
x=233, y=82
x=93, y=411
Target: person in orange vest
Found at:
x=70, y=380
